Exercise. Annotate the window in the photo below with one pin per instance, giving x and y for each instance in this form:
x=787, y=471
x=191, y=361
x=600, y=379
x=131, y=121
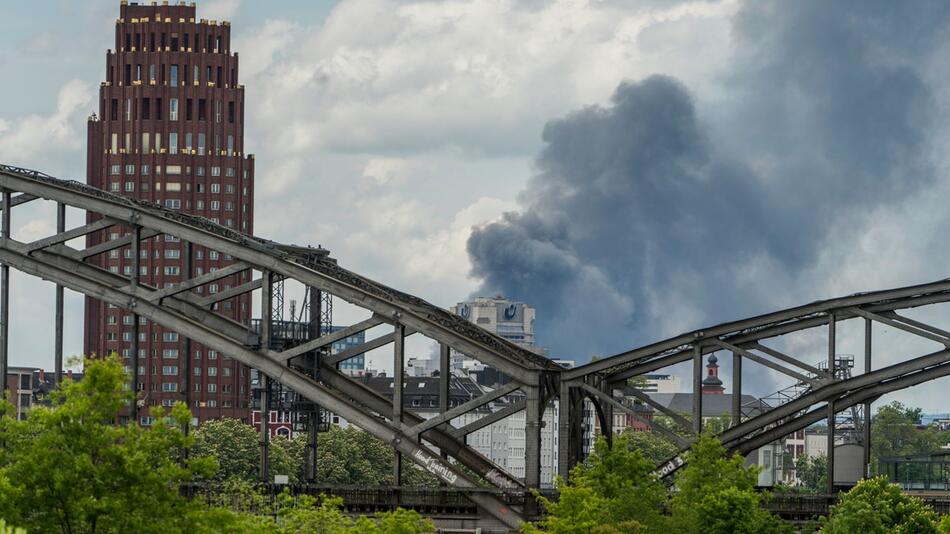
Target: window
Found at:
x=172, y=271
x=173, y=141
x=212, y=388
x=170, y=370
x=197, y=73
x=188, y=143
x=145, y=172
x=217, y=111
x=114, y=109
x=196, y=371
x=231, y=111
x=229, y=188
x=229, y=206
x=126, y=336
x=129, y=186
x=230, y=174
x=128, y=109
x=199, y=171
x=173, y=169
x=138, y=71
x=169, y=386
x=230, y=152
x=130, y=169
x=226, y=371
x=114, y=145
x=169, y=353
x=172, y=253
x=158, y=109
x=200, y=204
x=213, y=255
x=115, y=169
x=151, y=68
x=215, y=171
x=146, y=137
x=188, y=107
x=173, y=109
x=112, y=320
x=172, y=204
x=217, y=144
x=212, y=355
x=212, y=403
x=215, y=205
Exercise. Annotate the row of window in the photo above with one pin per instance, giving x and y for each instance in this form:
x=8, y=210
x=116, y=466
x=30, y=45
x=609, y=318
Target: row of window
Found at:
x=156, y=75
x=141, y=108
x=170, y=253
x=172, y=370
x=116, y=170
x=170, y=41
x=189, y=148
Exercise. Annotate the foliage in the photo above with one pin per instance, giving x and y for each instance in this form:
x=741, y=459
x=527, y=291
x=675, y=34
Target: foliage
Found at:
x=876, y=506
x=894, y=432
x=69, y=468
x=715, y=493
x=614, y=491
x=651, y=445
x=326, y=516
x=813, y=473
x=233, y=443
x=7, y=529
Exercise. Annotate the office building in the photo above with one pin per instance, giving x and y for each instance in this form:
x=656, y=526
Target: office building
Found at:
x=170, y=130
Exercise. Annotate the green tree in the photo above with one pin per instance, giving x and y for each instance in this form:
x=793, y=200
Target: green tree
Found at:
x=715, y=493
x=894, y=432
x=235, y=445
x=651, y=445
x=875, y=506
x=614, y=491
x=69, y=468
x=812, y=471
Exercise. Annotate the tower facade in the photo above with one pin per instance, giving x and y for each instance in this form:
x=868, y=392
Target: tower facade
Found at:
x=170, y=130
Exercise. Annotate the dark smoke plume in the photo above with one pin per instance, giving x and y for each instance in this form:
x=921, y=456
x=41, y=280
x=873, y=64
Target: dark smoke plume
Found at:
x=644, y=221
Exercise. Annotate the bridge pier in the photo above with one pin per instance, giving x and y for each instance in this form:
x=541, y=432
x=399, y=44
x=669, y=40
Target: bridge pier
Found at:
x=532, y=473
x=267, y=313
x=5, y=297
x=831, y=406
x=867, y=404
x=399, y=342
x=697, y=389
x=58, y=321
x=134, y=282
x=736, y=388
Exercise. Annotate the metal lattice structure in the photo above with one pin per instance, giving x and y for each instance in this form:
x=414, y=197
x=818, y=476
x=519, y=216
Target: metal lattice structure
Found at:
x=308, y=367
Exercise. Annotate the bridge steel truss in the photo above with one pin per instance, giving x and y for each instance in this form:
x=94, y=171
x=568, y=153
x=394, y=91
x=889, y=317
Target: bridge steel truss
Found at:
x=823, y=396
x=310, y=369
x=181, y=309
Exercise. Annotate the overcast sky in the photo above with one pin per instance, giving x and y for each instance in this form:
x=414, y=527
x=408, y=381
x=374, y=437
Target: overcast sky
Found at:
x=634, y=169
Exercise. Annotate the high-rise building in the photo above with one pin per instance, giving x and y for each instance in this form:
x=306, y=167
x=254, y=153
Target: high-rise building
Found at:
x=170, y=130
x=509, y=319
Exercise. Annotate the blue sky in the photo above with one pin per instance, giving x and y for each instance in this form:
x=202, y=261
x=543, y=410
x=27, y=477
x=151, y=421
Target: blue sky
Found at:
x=785, y=153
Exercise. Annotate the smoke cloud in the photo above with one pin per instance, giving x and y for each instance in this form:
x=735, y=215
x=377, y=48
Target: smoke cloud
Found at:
x=650, y=216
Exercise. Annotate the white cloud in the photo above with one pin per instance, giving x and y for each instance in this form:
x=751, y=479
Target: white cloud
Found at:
x=220, y=9
x=60, y=133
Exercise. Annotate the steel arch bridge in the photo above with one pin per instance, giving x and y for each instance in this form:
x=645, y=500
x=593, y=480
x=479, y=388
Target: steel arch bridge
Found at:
x=312, y=371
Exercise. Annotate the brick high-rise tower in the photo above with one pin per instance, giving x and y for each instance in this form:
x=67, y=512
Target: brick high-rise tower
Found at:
x=170, y=130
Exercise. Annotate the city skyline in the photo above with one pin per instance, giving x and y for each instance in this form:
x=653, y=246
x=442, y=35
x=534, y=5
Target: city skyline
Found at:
x=390, y=147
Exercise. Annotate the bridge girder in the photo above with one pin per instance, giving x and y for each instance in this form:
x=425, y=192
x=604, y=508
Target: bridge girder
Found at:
x=538, y=378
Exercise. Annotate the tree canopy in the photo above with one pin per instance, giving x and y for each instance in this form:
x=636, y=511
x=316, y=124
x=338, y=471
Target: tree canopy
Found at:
x=70, y=468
